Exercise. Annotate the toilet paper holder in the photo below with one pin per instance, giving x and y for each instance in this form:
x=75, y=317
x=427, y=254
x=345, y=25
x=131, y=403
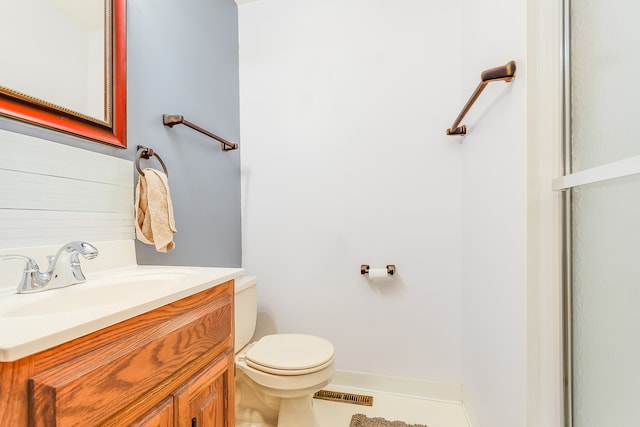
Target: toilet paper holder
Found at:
x=391, y=269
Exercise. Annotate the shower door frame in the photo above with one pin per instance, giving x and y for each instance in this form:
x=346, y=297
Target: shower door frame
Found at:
x=567, y=264
x=617, y=169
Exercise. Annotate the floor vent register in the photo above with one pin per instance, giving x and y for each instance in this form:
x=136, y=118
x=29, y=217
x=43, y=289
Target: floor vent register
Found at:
x=335, y=396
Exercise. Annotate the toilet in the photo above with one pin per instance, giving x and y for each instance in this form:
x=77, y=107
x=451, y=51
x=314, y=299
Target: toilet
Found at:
x=277, y=375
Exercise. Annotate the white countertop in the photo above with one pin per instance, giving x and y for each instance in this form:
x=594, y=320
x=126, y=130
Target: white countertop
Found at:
x=30, y=323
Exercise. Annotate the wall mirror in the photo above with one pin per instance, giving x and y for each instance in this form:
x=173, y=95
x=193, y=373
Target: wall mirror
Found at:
x=64, y=66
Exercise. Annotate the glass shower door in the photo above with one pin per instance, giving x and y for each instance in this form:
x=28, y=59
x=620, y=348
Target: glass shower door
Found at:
x=604, y=185
x=606, y=303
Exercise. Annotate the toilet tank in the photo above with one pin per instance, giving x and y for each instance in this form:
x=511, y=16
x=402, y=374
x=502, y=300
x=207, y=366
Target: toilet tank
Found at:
x=246, y=310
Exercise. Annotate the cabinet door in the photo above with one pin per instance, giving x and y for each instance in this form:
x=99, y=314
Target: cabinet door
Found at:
x=206, y=400
x=160, y=416
x=173, y=341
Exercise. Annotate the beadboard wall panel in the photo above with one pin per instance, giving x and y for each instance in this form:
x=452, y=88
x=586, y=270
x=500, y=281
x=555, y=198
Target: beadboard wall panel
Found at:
x=52, y=193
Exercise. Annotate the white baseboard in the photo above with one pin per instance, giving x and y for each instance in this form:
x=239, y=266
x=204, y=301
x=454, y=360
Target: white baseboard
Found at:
x=444, y=392
x=472, y=418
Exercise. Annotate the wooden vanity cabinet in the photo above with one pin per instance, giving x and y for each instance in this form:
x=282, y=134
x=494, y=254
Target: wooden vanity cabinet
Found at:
x=160, y=416
x=173, y=366
x=201, y=402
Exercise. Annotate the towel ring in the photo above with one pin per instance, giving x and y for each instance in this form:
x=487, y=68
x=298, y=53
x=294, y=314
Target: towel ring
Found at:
x=146, y=153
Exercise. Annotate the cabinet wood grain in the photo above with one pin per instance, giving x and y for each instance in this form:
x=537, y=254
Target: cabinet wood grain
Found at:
x=160, y=416
x=129, y=373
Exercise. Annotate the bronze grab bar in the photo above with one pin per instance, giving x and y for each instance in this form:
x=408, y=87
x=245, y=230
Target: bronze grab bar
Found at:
x=172, y=120
x=505, y=72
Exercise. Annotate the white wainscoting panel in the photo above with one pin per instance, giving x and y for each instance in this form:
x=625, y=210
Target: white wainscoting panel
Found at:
x=52, y=193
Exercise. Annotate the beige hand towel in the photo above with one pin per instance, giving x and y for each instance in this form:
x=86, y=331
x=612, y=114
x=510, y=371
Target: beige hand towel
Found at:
x=155, y=224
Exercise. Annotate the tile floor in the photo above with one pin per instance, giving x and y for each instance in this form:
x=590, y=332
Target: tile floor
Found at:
x=392, y=407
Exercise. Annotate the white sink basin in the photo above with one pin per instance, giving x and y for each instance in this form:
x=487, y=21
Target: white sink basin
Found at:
x=36, y=321
x=119, y=288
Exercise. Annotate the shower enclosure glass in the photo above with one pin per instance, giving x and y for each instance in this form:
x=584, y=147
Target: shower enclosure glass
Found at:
x=603, y=216
x=606, y=301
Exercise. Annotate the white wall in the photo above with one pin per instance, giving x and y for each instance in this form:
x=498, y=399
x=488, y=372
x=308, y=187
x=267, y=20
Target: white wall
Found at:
x=345, y=161
x=494, y=220
x=343, y=111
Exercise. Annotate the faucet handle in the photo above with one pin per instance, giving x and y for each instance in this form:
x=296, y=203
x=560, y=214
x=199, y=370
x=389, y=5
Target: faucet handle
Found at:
x=31, y=264
x=31, y=269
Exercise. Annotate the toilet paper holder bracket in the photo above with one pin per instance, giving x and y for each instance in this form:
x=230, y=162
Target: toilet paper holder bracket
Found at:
x=391, y=269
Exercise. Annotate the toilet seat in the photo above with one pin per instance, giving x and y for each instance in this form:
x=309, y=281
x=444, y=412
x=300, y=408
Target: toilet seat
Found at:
x=290, y=354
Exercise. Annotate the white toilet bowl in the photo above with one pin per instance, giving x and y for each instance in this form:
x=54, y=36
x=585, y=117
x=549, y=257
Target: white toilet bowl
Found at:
x=281, y=372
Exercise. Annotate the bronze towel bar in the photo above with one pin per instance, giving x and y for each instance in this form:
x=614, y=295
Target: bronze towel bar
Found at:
x=505, y=73
x=172, y=120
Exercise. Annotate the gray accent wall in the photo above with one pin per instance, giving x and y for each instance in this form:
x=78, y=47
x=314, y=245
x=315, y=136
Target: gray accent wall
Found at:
x=182, y=58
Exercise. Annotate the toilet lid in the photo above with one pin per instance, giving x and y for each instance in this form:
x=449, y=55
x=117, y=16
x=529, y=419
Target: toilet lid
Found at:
x=290, y=354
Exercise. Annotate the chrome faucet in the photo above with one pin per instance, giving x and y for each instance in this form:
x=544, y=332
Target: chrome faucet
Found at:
x=64, y=268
